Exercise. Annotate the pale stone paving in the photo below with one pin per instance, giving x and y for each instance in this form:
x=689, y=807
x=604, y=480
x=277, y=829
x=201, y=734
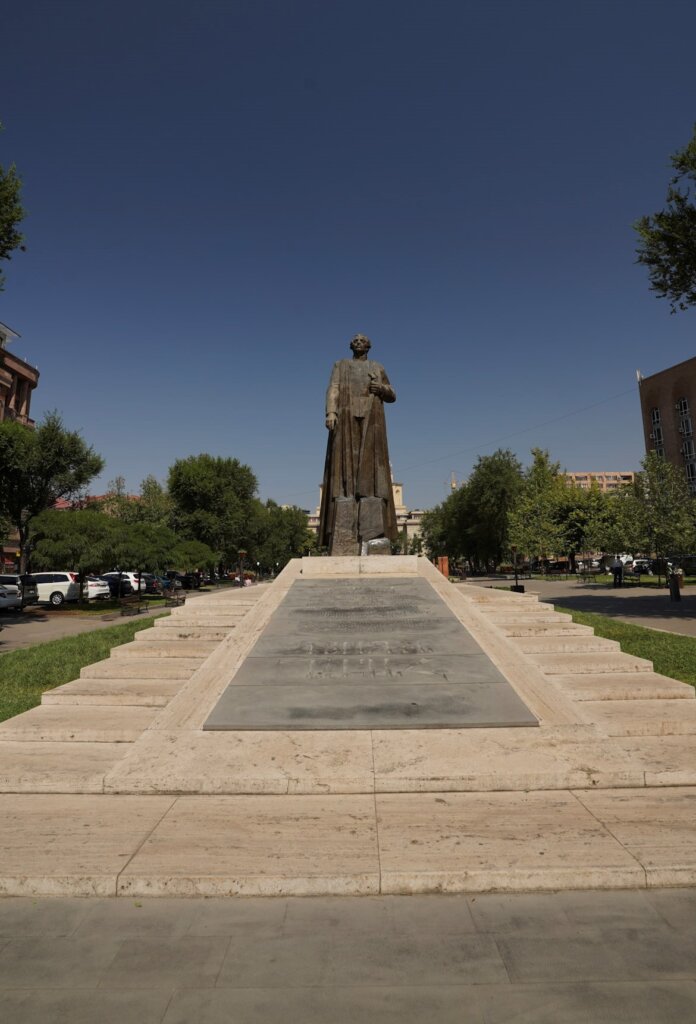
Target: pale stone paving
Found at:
x=111, y=787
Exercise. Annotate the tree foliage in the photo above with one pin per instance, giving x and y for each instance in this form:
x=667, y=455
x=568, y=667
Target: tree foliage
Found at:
x=667, y=239
x=214, y=501
x=535, y=529
x=283, y=534
x=37, y=467
x=11, y=214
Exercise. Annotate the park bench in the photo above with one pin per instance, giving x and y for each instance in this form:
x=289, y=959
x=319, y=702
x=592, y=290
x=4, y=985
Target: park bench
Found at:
x=132, y=604
x=586, y=575
x=174, y=598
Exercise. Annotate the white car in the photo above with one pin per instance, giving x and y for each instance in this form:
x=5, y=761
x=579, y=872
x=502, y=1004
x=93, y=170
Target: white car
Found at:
x=56, y=587
x=10, y=597
x=96, y=589
x=132, y=578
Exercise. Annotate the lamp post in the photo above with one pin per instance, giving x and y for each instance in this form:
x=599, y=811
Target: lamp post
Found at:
x=242, y=556
x=517, y=589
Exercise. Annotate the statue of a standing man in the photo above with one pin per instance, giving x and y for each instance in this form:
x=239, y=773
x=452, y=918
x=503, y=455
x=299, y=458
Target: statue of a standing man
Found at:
x=357, y=502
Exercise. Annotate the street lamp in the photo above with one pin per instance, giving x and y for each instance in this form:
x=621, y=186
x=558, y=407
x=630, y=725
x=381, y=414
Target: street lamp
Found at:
x=242, y=556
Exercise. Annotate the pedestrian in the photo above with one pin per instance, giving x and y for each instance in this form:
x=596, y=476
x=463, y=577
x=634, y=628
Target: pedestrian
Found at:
x=617, y=570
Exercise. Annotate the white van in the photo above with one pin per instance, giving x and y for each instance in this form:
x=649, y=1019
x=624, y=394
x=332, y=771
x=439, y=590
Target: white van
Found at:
x=56, y=587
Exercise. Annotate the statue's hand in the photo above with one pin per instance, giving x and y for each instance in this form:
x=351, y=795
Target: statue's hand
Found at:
x=374, y=387
x=331, y=421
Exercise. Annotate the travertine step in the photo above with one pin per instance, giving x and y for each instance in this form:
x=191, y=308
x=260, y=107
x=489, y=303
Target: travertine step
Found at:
x=212, y=615
x=593, y=661
x=666, y=760
x=564, y=644
x=624, y=686
x=548, y=629
x=61, y=722
x=504, y=618
x=142, y=668
x=46, y=767
x=643, y=717
x=142, y=692
x=162, y=649
x=183, y=632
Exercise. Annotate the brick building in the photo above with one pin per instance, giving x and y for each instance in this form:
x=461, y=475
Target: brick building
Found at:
x=17, y=381
x=667, y=399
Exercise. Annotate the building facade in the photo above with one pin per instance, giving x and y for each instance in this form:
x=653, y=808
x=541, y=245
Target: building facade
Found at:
x=17, y=382
x=667, y=401
x=606, y=481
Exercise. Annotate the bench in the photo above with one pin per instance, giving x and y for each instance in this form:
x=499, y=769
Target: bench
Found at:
x=588, y=576
x=132, y=604
x=172, y=599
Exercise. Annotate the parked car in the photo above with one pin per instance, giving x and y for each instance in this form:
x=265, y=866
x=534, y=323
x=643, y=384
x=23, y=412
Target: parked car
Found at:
x=26, y=584
x=10, y=597
x=118, y=588
x=150, y=583
x=642, y=566
x=56, y=587
x=95, y=588
x=132, y=577
x=177, y=579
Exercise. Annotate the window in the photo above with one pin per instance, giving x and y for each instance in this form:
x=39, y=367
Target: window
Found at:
x=656, y=432
x=684, y=416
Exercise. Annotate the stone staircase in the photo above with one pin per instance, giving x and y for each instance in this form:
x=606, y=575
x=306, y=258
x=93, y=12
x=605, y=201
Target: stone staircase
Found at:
x=111, y=786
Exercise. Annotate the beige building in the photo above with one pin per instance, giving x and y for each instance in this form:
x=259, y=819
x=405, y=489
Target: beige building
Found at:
x=606, y=481
x=407, y=518
x=17, y=381
x=667, y=399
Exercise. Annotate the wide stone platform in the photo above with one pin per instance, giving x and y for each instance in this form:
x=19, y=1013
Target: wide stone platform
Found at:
x=367, y=654
x=113, y=787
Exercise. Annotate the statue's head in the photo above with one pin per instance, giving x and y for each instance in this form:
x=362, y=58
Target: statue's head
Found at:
x=360, y=344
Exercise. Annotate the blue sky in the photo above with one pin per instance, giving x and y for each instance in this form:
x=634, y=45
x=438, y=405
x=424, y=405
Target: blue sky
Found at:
x=220, y=195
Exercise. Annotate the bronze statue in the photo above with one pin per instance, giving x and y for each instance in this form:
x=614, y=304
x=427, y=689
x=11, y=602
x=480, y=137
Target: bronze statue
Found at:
x=357, y=503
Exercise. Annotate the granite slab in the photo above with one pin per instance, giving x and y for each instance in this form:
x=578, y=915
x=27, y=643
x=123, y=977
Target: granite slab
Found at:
x=366, y=654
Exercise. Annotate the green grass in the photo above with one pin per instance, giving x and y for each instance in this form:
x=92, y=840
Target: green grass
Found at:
x=672, y=654
x=25, y=674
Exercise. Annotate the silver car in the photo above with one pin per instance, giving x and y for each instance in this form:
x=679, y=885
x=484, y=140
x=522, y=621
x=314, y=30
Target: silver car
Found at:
x=10, y=597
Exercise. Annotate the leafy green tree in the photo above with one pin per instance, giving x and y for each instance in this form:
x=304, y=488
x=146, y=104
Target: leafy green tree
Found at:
x=534, y=521
x=283, y=534
x=37, y=467
x=667, y=239
x=191, y=555
x=492, y=491
x=82, y=541
x=151, y=505
x=668, y=508
x=214, y=502
x=442, y=526
x=11, y=214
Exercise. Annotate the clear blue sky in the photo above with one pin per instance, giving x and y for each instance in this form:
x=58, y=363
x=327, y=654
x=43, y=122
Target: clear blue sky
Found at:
x=221, y=194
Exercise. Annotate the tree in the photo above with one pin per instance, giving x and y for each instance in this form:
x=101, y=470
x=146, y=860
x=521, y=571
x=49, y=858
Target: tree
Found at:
x=668, y=508
x=213, y=501
x=192, y=554
x=491, y=492
x=152, y=505
x=667, y=239
x=11, y=213
x=283, y=534
x=37, y=467
x=534, y=525
x=83, y=541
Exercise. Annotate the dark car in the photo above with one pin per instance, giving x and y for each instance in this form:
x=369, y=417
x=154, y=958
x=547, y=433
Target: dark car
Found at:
x=26, y=584
x=150, y=583
x=118, y=587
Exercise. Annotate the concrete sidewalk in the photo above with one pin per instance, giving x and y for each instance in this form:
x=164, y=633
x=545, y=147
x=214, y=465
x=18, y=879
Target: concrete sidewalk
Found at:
x=640, y=606
x=559, y=958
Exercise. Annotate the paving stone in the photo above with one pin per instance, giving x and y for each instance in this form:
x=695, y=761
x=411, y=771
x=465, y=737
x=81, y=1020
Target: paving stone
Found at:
x=472, y=842
x=657, y=826
x=246, y=762
x=82, y=1006
x=666, y=760
x=55, y=962
x=189, y=961
x=246, y=845
x=21, y=918
x=67, y=845
x=47, y=767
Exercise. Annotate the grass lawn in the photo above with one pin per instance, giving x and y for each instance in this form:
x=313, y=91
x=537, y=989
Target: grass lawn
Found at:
x=25, y=674
x=672, y=654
